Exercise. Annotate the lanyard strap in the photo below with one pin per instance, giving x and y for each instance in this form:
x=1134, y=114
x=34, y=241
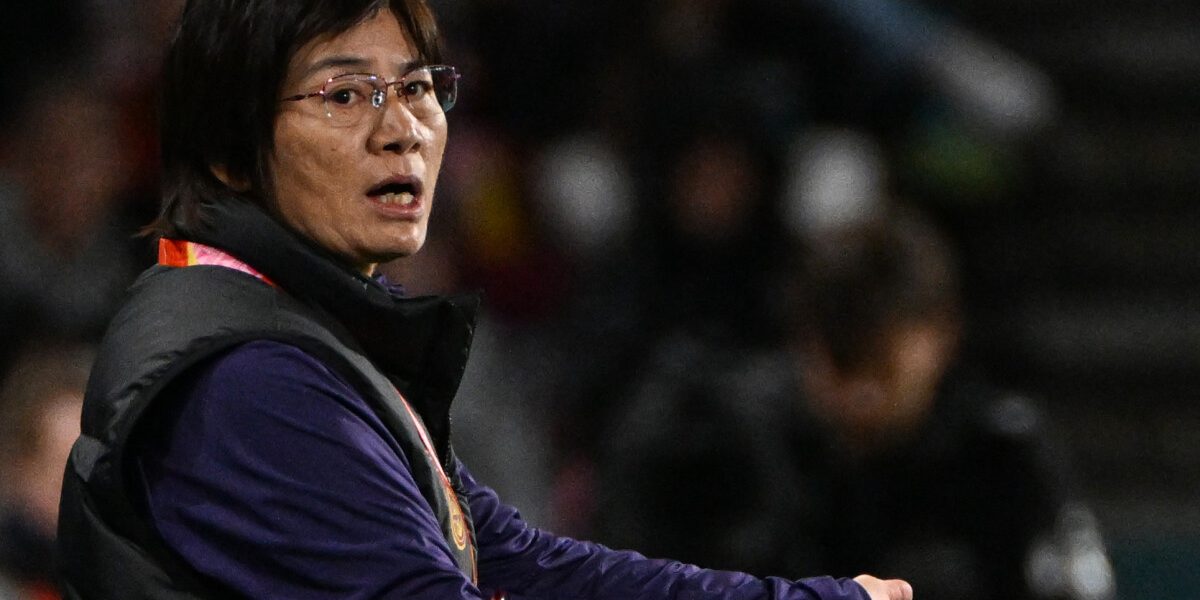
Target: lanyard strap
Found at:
x=182, y=253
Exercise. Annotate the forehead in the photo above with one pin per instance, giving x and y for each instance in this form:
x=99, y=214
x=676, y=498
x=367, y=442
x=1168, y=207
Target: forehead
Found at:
x=378, y=44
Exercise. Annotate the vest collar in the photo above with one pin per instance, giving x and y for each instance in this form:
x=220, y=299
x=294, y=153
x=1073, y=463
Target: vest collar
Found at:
x=421, y=343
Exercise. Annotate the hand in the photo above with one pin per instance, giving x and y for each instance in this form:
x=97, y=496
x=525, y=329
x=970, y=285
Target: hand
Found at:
x=879, y=589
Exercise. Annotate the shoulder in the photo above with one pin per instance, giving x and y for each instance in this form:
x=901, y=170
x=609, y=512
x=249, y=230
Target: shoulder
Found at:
x=197, y=282
x=266, y=376
x=269, y=403
x=178, y=303
x=264, y=362
x=169, y=312
x=179, y=322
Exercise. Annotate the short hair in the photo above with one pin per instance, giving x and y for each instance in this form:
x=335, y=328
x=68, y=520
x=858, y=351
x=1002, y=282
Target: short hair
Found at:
x=222, y=81
x=858, y=281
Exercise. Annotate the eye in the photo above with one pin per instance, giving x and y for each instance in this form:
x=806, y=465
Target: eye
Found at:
x=347, y=92
x=341, y=96
x=417, y=84
x=417, y=88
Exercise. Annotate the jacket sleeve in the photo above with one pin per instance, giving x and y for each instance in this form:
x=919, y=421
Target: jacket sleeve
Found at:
x=520, y=559
x=273, y=477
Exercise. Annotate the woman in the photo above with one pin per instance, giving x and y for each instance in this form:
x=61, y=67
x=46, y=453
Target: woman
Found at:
x=266, y=419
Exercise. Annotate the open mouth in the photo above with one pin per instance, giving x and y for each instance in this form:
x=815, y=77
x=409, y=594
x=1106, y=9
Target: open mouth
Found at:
x=401, y=193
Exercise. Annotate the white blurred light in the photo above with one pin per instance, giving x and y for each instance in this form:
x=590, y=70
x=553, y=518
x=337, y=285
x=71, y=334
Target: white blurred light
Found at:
x=989, y=84
x=585, y=193
x=835, y=177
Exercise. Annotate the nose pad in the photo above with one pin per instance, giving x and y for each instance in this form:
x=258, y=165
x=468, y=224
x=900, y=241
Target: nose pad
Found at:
x=378, y=97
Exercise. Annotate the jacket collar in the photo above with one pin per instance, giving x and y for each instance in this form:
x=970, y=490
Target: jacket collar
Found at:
x=420, y=343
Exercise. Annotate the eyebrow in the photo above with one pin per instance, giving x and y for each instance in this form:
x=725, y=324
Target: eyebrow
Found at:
x=354, y=62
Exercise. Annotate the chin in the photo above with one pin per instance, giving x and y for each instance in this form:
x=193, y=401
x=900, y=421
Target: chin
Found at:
x=404, y=241
x=409, y=249
x=396, y=251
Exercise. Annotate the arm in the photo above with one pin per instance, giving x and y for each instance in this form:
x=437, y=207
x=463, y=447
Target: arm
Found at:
x=517, y=558
x=272, y=476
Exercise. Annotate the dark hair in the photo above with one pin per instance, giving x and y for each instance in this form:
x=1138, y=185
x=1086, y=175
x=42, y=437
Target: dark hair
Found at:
x=858, y=281
x=222, y=83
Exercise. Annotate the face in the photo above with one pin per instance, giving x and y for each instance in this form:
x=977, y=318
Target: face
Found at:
x=887, y=399
x=332, y=184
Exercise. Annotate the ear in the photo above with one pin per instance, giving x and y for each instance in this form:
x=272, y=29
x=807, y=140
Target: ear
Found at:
x=237, y=184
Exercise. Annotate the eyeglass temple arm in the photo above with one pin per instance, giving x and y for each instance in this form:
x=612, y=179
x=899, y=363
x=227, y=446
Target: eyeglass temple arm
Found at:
x=302, y=96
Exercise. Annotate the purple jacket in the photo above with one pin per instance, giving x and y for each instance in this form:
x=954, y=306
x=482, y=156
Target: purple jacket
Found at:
x=273, y=476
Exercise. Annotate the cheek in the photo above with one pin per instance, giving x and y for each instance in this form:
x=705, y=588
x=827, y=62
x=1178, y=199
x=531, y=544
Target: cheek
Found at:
x=433, y=152
x=303, y=164
x=310, y=167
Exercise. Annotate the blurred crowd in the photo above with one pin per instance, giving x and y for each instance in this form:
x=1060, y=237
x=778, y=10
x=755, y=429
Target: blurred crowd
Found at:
x=724, y=317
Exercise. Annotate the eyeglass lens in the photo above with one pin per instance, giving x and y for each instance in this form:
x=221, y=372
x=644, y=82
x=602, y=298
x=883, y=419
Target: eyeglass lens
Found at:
x=427, y=92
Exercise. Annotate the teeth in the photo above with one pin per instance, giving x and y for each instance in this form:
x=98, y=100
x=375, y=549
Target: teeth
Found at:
x=403, y=198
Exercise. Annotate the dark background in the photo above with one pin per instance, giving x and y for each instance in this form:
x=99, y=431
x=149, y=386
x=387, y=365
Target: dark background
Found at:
x=1056, y=143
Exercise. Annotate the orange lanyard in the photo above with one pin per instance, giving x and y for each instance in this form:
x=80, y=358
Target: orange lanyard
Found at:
x=458, y=521
x=182, y=253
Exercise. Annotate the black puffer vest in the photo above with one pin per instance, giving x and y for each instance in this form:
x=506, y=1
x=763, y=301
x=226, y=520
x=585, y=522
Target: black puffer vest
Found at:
x=174, y=318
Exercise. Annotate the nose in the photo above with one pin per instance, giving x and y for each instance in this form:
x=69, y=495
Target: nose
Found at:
x=397, y=129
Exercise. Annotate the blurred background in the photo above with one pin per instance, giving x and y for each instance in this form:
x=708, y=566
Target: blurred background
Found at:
x=631, y=184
